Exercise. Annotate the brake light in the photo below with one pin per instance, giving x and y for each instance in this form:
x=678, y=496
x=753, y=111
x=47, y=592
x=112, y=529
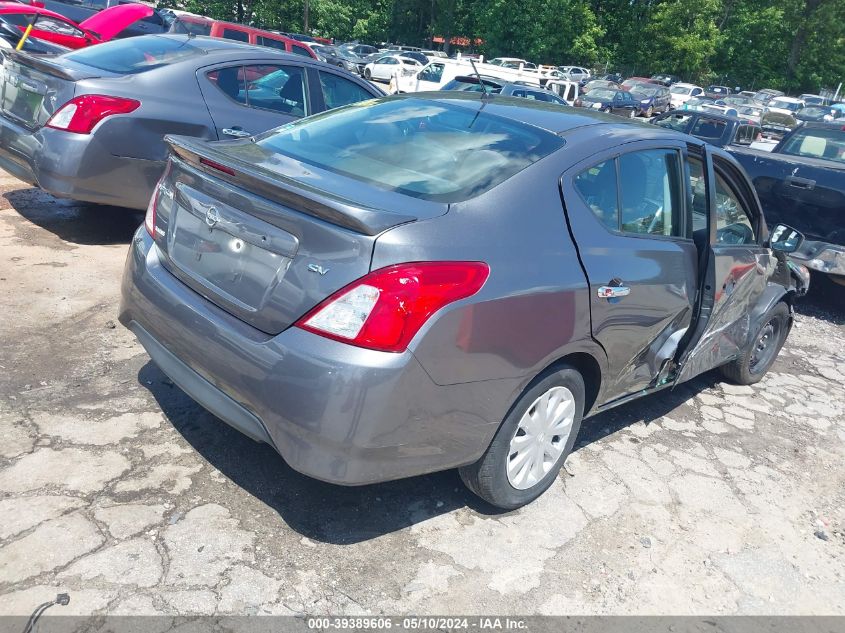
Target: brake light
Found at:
x=81, y=114
x=386, y=308
x=150, y=216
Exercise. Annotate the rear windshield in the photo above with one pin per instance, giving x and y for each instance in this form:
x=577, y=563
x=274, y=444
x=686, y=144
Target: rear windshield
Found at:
x=428, y=150
x=135, y=54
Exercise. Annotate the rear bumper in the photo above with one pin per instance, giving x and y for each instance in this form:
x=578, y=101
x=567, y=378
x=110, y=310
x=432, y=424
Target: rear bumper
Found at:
x=76, y=166
x=821, y=256
x=333, y=411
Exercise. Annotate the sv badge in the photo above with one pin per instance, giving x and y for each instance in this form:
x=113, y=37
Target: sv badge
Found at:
x=316, y=268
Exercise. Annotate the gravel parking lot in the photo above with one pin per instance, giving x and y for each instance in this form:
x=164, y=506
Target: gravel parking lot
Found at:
x=117, y=488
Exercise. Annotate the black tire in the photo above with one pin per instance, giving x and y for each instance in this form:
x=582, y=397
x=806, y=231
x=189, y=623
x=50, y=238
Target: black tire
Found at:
x=750, y=367
x=649, y=112
x=367, y=74
x=488, y=476
x=632, y=114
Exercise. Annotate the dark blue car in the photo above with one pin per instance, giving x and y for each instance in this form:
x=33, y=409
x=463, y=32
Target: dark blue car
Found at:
x=652, y=100
x=608, y=100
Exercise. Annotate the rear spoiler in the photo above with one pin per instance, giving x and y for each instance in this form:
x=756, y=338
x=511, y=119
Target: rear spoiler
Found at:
x=286, y=191
x=46, y=66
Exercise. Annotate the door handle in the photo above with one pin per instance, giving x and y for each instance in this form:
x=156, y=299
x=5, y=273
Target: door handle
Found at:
x=612, y=292
x=800, y=183
x=235, y=132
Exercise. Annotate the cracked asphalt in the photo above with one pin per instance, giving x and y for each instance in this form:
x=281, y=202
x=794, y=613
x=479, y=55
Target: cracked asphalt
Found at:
x=117, y=488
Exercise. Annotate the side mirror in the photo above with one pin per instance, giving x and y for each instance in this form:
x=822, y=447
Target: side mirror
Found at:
x=785, y=239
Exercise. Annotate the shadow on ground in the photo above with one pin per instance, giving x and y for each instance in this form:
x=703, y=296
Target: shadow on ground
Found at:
x=340, y=515
x=75, y=222
x=826, y=300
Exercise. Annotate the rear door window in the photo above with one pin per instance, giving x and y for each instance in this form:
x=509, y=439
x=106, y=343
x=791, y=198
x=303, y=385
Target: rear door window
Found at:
x=230, y=81
x=598, y=186
x=339, y=91
x=277, y=88
x=640, y=192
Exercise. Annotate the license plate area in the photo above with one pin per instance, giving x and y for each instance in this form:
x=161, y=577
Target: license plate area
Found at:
x=236, y=260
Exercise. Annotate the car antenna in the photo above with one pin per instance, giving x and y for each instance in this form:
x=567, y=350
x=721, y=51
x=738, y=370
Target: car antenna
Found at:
x=480, y=80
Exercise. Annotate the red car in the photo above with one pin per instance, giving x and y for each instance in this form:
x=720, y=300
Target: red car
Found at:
x=199, y=25
x=56, y=28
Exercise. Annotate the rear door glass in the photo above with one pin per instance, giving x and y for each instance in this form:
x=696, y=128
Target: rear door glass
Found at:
x=230, y=81
x=277, y=88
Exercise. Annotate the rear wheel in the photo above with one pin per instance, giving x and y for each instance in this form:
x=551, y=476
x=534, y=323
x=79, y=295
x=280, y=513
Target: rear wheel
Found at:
x=632, y=113
x=762, y=350
x=532, y=443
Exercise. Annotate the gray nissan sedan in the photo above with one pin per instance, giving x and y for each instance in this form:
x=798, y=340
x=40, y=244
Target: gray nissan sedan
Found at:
x=90, y=125
x=445, y=280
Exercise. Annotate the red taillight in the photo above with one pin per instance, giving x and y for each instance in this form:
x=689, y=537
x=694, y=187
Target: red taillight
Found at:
x=81, y=114
x=386, y=308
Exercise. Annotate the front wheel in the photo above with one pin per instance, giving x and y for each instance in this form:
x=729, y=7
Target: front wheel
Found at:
x=632, y=113
x=367, y=74
x=649, y=112
x=762, y=350
x=532, y=443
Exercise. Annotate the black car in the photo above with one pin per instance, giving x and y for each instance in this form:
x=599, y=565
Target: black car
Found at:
x=492, y=85
x=802, y=181
x=652, y=99
x=341, y=57
x=819, y=113
x=618, y=102
x=716, y=129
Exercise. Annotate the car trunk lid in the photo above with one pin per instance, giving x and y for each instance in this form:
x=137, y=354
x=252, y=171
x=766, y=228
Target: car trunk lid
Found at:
x=33, y=88
x=109, y=22
x=257, y=240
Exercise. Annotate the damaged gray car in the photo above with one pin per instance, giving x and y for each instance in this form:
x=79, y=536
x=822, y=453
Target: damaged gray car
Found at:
x=452, y=280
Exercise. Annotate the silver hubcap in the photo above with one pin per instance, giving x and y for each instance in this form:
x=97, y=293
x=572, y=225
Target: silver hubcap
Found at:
x=540, y=437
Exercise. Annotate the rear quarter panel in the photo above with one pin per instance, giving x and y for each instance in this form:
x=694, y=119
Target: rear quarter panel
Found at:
x=534, y=308
x=171, y=103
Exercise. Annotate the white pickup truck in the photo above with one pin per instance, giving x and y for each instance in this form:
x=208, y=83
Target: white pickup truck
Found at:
x=439, y=72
